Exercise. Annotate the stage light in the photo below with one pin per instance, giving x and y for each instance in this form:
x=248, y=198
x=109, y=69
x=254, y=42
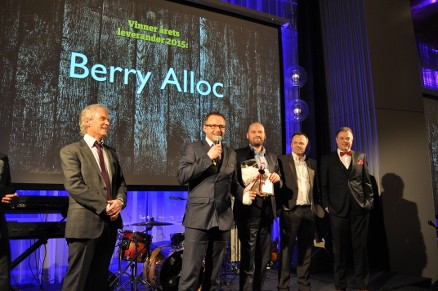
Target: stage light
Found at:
x=296, y=76
x=300, y=109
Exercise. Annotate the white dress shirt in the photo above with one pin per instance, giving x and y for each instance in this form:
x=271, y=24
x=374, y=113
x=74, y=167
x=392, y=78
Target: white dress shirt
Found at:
x=302, y=180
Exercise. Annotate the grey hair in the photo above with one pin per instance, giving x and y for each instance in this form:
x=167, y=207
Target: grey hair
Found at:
x=87, y=114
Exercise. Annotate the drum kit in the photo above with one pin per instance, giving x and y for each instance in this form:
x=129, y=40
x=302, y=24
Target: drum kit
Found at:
x=161, y=266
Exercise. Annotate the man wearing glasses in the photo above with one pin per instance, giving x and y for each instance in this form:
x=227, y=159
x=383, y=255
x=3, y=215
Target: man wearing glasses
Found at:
x=254, y=222
x=208, y=167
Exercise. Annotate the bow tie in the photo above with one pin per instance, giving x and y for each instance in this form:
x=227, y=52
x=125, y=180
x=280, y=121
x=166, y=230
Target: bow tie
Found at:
x=346, y=153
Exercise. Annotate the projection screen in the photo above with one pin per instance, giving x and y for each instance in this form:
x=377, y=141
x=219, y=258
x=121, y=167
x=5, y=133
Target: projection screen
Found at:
x=159, y=66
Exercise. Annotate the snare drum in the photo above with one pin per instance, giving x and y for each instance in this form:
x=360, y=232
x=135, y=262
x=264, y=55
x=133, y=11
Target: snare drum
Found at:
x=135, y=245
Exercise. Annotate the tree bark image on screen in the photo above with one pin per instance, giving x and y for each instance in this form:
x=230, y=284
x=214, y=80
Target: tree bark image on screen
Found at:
x=158, y=66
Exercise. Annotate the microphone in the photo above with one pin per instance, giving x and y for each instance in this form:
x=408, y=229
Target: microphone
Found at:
x=218, y=140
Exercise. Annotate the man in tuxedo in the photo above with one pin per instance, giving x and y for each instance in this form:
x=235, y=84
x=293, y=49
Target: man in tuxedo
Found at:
x=254, y=222
x=347, y=197
x=7, y=196
x=96, y=186
x=209, y=169
x=299, y=205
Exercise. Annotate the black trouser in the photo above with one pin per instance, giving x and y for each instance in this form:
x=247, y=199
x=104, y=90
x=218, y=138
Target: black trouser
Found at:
x=198, y=243
x=5, y=258
x=354, y=227
x=296, y=225
x=255, y=252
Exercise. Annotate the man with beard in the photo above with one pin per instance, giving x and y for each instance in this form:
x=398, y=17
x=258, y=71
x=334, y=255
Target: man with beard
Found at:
x=254, y=222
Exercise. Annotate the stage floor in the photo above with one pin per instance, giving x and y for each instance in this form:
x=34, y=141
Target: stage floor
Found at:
x=323, y=281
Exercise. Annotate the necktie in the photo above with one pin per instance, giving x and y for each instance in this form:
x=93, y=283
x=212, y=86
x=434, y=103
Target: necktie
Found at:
x=103, y=169
x=346, y=153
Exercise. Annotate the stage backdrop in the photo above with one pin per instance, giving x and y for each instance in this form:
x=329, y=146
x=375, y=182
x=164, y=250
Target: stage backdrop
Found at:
x=160, y=67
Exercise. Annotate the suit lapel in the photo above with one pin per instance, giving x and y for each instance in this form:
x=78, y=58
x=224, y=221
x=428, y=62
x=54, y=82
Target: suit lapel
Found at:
x=291, y=164
x=354, y=156
x=90, y=156
x=224, y=157
x=311, y=172
x=271, y=162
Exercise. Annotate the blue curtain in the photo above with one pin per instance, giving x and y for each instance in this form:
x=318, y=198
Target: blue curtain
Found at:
x=348, y=75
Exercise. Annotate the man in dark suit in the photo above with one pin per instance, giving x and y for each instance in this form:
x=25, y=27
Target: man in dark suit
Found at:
x=94, y=180
x=7, y=197
x=299, y=205
x=209, y=169
x=347, y=197
x=254, y=222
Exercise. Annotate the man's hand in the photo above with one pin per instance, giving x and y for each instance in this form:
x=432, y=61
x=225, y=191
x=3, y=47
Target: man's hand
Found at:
x=113, y=208
x=10, y=198
x=248, y=194
x=215, y=151
x=274, y=178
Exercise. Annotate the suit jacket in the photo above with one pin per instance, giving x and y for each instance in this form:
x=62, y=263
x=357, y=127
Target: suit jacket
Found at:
x=210, y=189
x=342, y=187
x=5, y=188
x=83, y=180
x=241, y=211
x=289, y=191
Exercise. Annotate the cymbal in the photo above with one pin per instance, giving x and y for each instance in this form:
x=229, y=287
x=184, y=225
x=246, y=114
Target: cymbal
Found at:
x=177, y=198
x=151, y=223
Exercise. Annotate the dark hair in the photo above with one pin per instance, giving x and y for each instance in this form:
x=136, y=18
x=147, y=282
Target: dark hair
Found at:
x=216, y=113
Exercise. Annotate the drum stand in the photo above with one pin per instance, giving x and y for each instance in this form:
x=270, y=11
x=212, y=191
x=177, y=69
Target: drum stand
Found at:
x=134, y=279
x=229, y=264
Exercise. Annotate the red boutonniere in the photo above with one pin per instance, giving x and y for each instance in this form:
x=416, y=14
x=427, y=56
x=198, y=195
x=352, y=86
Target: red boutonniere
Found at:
x=360, y=162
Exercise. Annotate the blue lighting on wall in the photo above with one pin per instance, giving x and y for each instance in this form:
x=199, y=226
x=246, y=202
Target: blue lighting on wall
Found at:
x=424, y=4
x=429, y=66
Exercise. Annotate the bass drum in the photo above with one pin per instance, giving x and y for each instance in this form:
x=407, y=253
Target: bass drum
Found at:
x=163, y=268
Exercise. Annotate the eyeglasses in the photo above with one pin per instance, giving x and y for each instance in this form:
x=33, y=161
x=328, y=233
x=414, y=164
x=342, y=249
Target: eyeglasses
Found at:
x=213, y=126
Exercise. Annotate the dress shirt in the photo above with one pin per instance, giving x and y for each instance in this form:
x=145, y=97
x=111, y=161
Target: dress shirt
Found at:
x=90, y=142
x=345, y=159
x=210, y=143
x=302, y=180
x=260, y=158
